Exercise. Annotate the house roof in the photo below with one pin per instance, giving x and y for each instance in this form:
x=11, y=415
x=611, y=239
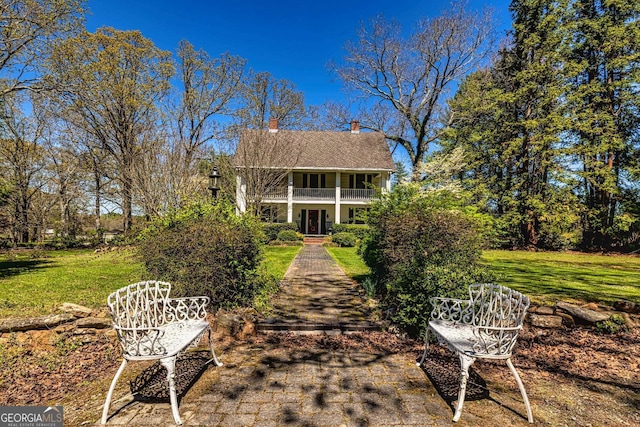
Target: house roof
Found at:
x=292, y=149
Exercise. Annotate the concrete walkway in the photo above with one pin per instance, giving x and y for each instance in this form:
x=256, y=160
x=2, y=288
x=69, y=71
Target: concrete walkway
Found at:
x=319, y=380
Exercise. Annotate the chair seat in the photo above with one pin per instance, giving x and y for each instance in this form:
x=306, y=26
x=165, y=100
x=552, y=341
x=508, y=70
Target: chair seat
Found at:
x=458, y=336
x=461, y=338
x=177, y=337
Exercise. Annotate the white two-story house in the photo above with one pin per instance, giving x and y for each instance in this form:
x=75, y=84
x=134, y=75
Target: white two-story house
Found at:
x=313, y=178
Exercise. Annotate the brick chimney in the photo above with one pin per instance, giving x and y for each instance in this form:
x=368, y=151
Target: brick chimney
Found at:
x=273, y=125
x=355, y=126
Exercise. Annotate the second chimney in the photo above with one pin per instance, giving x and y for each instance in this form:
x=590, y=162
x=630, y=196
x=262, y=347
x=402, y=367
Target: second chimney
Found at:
x=355, y=126
x=273, y=125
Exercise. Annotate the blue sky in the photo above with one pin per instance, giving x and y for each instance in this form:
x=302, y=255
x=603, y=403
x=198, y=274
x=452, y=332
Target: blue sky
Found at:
x=290, y=39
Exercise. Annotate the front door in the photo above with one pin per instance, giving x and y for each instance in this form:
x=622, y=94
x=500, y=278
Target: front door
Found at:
x=313, y=227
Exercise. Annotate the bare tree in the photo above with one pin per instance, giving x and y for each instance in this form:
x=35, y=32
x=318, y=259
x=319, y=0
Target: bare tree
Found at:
x=263, y=97
x=209, y=86
x=27, y=30
x=403, y=81
x=263, y=160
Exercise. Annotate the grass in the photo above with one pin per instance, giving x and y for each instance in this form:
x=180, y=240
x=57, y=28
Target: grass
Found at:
x=349, y=260
x=277, y=259
x=275, y=264
x=35, y=286
x=31, y=286
x=545, y=277
x=550, y=276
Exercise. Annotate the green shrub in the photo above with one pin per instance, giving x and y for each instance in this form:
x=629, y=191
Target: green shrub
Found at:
x=361, y=231
x=419, y=247
x=206, y=249
x=271, y=229
x=289, y=236
x=345, y=240
x=612, y=325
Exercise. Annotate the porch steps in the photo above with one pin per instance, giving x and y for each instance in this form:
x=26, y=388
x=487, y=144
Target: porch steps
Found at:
x=313, y=240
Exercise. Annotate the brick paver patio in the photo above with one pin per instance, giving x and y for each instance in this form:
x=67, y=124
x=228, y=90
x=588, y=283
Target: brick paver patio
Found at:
x=267, y=383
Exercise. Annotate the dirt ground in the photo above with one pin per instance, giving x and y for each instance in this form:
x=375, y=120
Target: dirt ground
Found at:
x=573, y=377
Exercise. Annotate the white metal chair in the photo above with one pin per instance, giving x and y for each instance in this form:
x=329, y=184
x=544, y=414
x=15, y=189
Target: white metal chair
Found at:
x=152, y=326
x=483, y=327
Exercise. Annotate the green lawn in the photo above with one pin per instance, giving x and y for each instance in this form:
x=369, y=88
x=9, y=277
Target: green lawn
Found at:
x=32, y=287
x=349, y=260
x=277, y=259
x=549, y=276
x=545, y=276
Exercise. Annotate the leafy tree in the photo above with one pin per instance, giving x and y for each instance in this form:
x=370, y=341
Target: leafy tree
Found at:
x=23, y=161
x=110, y=82
x=28, y=28
x=406, y=79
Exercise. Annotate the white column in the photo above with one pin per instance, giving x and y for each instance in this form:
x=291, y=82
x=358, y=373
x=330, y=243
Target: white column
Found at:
x=338, y=186
x=290, y=198
x=388, y=182
x=241, y=195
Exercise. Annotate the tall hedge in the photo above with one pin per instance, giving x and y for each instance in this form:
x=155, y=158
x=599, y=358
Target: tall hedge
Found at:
x=420, y=246
x=206, y=249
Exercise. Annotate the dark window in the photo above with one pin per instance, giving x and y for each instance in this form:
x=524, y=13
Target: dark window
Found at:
x=360, y=180
x=313, y=180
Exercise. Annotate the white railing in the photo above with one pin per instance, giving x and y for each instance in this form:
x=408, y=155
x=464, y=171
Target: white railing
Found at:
x=329, y=194
x=279, y=193
x=357, y=193
x=314, y=193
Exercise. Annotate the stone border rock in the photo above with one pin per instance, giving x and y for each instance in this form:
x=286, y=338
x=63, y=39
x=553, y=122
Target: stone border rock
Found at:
x=565, y=314
x=76, y=320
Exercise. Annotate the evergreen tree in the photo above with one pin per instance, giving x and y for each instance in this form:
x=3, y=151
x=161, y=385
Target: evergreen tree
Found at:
x=603, y=71
x=511, y=119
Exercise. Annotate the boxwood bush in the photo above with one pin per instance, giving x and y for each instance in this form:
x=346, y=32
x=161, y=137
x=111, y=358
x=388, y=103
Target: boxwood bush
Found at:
x=271, y=229
x=420, y=247
x=206, y=249
x=360, y=230
x=345, y=240
x=290, y=236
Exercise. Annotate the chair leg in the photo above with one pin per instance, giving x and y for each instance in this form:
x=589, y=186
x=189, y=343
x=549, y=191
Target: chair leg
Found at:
x=170, y=365
x=426, y=347
x=522, y=390
x=465, y=363
x=213, y=353
x=107, y=402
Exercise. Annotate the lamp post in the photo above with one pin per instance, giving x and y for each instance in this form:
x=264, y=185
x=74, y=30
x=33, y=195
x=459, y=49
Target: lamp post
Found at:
x=214, y=182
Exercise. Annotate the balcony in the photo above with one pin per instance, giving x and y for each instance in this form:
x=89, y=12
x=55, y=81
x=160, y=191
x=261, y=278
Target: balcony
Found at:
x=320, y=194
x=357, y=194
x=324, y=194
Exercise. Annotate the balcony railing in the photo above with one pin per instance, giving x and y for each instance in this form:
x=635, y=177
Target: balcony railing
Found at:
x=279, y=193
x=324, y=194
x=357, y=194
x=314, y=194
